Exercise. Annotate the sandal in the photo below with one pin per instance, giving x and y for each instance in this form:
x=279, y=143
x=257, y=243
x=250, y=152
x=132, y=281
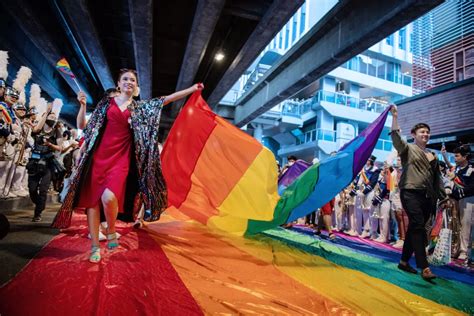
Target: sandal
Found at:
x=112, y=242
x=95, y=254
x=332, y=236
x=427, y=275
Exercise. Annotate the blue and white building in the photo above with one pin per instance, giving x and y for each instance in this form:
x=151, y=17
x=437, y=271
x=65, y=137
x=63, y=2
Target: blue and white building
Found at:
x=333, y=110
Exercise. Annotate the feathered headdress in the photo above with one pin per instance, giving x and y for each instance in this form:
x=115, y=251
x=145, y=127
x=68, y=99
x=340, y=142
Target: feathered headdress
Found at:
x=22, y=77
x=35, y=95
x=22, y=98
x=3, y=67
x=41, y=107
x=57, y=106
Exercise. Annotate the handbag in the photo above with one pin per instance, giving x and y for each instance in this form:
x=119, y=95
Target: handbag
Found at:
x=442, y=252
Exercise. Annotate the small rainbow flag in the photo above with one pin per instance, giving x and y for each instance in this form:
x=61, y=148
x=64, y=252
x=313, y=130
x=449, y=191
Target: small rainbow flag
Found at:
x=63, y=66
x=6, y=113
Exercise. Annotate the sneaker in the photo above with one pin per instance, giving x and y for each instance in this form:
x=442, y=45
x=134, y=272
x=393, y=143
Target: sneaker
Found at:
x=101, y=236
x=352, y=233
x=36, y=219
x=381, y=240
x=462, y=256
x=365, y=234
x=11, y=194
x=22, y=193
x=398, y=244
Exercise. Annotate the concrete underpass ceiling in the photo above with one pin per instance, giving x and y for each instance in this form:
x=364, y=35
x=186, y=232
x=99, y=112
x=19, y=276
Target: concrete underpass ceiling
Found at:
x=172, y=44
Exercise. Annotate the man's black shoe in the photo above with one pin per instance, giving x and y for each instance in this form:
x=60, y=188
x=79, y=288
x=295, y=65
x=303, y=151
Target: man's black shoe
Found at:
x=407, y=268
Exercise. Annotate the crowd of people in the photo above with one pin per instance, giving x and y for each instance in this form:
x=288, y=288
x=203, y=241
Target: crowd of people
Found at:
x=398, y=201
x=394, y=202
x=36, y=149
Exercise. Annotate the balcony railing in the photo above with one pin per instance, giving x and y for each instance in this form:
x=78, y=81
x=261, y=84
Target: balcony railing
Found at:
x=350, y=101
x=330, y=136
x=297, y=108
x=316, y=134
x=291, y=108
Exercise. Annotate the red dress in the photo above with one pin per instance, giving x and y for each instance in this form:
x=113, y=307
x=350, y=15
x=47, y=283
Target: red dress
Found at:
x=110, y=161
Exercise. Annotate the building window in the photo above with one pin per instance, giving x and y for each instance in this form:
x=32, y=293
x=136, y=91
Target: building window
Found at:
x=302, y=18
x=287, y=36
x=391, y=71
x=402, y=38
x=372, y=68
x=280, y=41
x=363, y=61
x=412, y=42
x=380, y=69
x=295, y=29
x=464, y=64
x=389, y=40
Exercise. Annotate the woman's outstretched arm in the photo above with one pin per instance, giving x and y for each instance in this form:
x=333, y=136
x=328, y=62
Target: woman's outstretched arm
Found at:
x=81, y=121
x=183, y=93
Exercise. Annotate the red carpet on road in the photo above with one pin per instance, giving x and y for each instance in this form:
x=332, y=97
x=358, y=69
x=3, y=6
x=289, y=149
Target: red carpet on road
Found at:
x=136, y=279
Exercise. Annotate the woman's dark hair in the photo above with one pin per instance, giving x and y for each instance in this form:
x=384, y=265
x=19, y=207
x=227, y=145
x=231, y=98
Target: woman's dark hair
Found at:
x=109, y=91
x=125, y=70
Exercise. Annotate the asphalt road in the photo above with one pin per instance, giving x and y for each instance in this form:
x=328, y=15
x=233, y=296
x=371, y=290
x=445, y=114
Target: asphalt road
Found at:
x=25, y=239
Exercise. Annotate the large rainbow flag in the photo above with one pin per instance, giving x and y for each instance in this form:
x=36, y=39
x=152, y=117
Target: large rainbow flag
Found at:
x=215, y=173
x=224, y=178
x=178, y=266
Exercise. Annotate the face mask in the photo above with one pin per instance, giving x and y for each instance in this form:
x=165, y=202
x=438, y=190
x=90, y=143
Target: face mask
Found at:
x=50, y=122
x=290, y=163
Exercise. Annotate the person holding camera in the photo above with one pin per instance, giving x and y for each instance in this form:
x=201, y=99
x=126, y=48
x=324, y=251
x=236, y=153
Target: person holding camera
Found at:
x=41, y=165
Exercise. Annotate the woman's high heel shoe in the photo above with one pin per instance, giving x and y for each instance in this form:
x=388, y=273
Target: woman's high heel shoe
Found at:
x=95, y=254
x=112, y=242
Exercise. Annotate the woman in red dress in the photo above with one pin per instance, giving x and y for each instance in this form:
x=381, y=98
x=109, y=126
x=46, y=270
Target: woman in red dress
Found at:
x=105, y=182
